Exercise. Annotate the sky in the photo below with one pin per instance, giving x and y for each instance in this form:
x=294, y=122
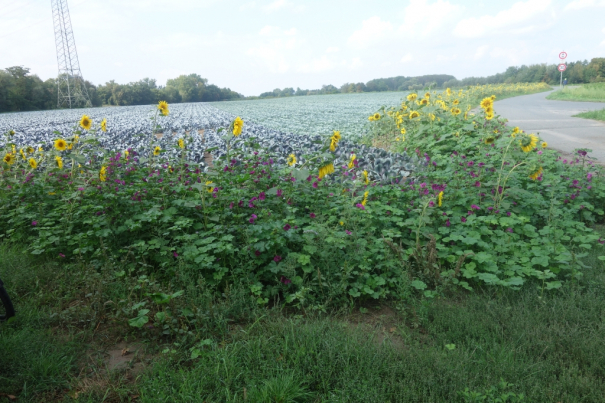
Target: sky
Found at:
x=258, y=45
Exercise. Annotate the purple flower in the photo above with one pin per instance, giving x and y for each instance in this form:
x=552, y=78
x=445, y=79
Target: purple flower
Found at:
x=261, y=196
x=360, y=206
x=315, y=185
x=589, y=177
x=508, y=213
x=257, y=253
x=231, y=205
x=470, y=163
x=279, y=193
x=34, y=223
x=277, y=258
x=61, y=255
x=312, y=215
x=348, y=232
x=252, y=218
x=285, y=280
x=509, y=230
x=475, y=207
x=175, y=254
x=81, y=189
x=602, y=241
x=447, y=223
x=287, y=227
x=431, y=204
x=478, y=184
x=582, y=153
x=463, y=219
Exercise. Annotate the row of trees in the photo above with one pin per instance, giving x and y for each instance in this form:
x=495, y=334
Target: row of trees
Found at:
x=22, y=91
x=577, y=73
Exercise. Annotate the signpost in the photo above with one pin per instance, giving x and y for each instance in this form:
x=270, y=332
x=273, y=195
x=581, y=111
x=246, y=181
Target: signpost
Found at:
x=562, y=66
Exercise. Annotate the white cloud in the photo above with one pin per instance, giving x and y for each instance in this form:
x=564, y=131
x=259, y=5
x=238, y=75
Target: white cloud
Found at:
x=372, y=30
x=407, y=58
x=580, y=4
x=422, y=18
x=269, y=30
x=276, y=49
x=317, y=65
x=481, y=51
x=513, y=18
x=332, y=49
x=247, y=6
x=355, y=64
x=283, y=4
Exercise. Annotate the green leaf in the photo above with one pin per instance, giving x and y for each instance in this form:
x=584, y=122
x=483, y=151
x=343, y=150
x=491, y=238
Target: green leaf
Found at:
x=419, y=285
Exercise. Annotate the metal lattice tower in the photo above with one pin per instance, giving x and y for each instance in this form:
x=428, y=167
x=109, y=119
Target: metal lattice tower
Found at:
x=70, y=85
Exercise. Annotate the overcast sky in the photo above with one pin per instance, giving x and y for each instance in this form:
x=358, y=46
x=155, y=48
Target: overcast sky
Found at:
x=258, y=45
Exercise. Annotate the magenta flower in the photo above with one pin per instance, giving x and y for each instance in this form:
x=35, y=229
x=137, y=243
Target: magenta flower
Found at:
x=360, y=206
x=475, y=207
x=447, y=223
x=508, y=213
x=463, y=219
x=589, y=177
x=348, y=232
x=431, y=204
x=61, y=255
x=509, y=230
x=602, y=241
x=279, y=193
x=257, y=253
x=312, y=215
x=478, y=184
x=231, y=206
x=277, y=258
x=287, y=227
x=175, y=254
x=315, y=185
x=34, y=223
x=261, y=196
x=285, y=280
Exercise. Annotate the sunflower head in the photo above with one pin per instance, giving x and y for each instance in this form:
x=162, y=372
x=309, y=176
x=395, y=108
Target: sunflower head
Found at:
x=291, y=160
x=60, y=144
x=366, y=178
x=181, y=143
x=487, y=103
x=489, y=116
x=412, y=97
x=30, y=150
x=85, y=122
x=238, y=125
x=163, y=108
x=32, y=163
x=536, y=173
x=427, y=95
x=489, y=139
x=376, y=116
x=455, y=111
x=414, y=114
x=544, y=144
x=326, y=170
x=157, y=150
x=440, y=199
x=403, y=131
x=9, y=159
x=528, y=142
x=59, y=162
x=104, y=125
x=448, y=92
x=455, y=102
x=424, y=101
x=103, y=174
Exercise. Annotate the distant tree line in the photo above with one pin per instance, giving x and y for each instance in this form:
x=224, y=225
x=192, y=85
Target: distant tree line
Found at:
x=577, y=73
x=22, y=91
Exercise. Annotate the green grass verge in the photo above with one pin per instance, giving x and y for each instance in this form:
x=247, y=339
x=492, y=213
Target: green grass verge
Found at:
x=589, y=92
x=547, y=347
x=595, y=115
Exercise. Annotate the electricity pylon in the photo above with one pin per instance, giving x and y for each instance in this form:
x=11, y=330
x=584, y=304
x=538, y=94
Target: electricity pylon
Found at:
x=72, y=92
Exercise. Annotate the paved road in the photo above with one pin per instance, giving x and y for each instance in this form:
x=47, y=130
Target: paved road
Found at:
x=554, y=121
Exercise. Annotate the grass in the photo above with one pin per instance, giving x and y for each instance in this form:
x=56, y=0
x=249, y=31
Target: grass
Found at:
x=547, y=347
x=595, y=115
x=590, y=92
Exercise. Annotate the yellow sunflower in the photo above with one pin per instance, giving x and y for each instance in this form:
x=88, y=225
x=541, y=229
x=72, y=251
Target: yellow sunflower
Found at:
x=366, y=178
x=163, y=107
x=156, y=150
x=85, y=123
x=30, y=150
x=487, y=103
x=181, y=143
x=440, y=199
x=104, y=125
x=489, y=140
x=528, y=143
x=210, y=186
x=376, y=116
x=414, y=114
x=60, y=144
x=238, y=125
x=427, y=95
x=403, y=131
x=448, y=92
x=412, y=97
x=456, y=111
x=424, y=101
x=352, y=161
x=544, y=144
x=536, y=174
x=291, y=159
x=32, y=163
x=326, y=170
x=9, y=159
x=22, y=153
x=103, y=174
x=455, y=102
x=489, y=116
x=365, y=198
x=59, y=162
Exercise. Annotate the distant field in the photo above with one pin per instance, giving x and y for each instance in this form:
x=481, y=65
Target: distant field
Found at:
x=315, y=114
x=596, y=115
x=589, y=92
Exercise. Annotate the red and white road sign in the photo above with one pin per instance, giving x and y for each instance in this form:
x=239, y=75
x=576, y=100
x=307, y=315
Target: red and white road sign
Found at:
x=562, y=55
x=562, y=67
